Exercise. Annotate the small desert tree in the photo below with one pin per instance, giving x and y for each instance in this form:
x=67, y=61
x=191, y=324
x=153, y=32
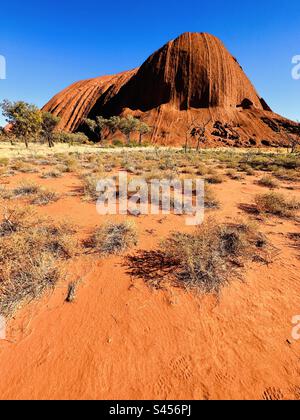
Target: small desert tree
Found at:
x=128, y=125
x=49, y=123
x=143, y=129
x=190, y=127
x=97, y=126
x=25, y=119
x=113, y=124
x=198, y=133
x=71, y=138
x=294, y=142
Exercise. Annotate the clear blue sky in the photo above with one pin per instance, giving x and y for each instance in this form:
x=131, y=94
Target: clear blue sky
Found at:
x=50, y=44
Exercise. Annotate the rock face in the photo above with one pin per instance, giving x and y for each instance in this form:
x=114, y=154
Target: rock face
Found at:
x=192, y=78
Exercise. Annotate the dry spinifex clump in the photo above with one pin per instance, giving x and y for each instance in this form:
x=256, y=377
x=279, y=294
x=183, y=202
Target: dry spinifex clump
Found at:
x=276, y=204
x=37, y=195
x=205, y=260
x=113, y=238
x=268, y=181
x=31, y=250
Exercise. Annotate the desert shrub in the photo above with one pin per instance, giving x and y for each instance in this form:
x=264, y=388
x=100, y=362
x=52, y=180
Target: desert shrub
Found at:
x=187, y=170
x=90, y=186
x=262, y=161
x=167, y=163
x=58, y=239
x=276, y=204
x=118, y=143
x=295, y=237
x=25, y=279
x=26, y=189
x=62, y=168
x=4, y=161
x=89, y=166
x=71, y=164
x=210, y=200
x=71, y=138
x=160, y=175
x=23, y=167
x=268, y=181
x=207, y=259
x=201, y=170
x=232, y=174
x=132, y=169
x=215, y=179
x=257, y=161
x=204, y=261
x=16, y=219
x=55, y=173
x=232, y=163
x=45, y=162
x=113, y=238
x=287, y=161
x=273, y=168
x=290, y=175
x=30, y=251
x=3, y=172
x=44, y=197
x=250, y=171
x=211, y=170
x=29, y=169
x=5, y=194
x=244, y=167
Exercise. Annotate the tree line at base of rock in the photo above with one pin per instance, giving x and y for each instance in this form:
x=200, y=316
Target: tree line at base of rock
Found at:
x=26, y=122
x=126, y=125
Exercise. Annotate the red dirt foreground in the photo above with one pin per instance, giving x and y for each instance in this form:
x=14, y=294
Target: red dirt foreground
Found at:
x=193, y=77
x=120, y=339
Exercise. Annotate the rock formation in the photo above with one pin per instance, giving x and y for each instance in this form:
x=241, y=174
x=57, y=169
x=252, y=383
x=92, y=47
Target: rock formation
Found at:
x=192, y=78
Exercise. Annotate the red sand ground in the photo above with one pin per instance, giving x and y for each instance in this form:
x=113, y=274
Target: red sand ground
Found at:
x=122, y=340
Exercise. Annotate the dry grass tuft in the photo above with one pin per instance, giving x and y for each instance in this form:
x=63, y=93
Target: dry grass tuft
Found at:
x=44, y=197
x=210, y=199
x=207, y=259
x=114, y=238
x=215, y=179
x=204, y=261
x=52, y=174
x=276, y=204
x=30, y=251
x=23, y=167
x=90, y=186
x=5, y=194
x=17, y=219
x=268, y=181
x=232, y=174
x=26, y=189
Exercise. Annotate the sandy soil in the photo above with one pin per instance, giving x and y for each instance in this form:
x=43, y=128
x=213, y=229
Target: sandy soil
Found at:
x=123, y=340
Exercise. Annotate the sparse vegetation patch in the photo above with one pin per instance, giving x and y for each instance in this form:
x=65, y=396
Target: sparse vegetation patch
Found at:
x=113, y=238
x=276, y=204
x=30, y=251
x=205, y=260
